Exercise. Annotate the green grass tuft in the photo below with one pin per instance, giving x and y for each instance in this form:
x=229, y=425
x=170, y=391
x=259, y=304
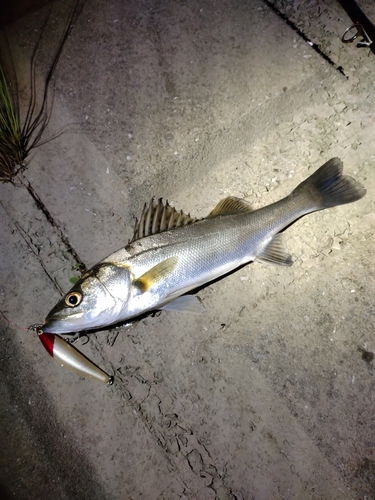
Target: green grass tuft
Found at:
x=11, y=150
x=19, y=136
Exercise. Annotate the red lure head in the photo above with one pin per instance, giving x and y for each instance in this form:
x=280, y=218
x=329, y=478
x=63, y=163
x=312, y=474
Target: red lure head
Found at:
x=47, y=339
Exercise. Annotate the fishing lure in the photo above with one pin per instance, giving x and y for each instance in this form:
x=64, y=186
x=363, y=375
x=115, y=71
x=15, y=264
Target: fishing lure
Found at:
x=69, y=357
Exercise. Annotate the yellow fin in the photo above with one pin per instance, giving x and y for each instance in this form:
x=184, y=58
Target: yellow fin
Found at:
x=156, y=274
x=230, y=206
x=157, y=217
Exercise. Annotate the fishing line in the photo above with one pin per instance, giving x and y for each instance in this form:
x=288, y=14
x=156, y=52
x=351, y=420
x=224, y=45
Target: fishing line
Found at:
x=24, y=328
x=37, y=327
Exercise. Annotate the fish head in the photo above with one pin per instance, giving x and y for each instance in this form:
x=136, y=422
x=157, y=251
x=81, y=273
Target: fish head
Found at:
x=98, y=299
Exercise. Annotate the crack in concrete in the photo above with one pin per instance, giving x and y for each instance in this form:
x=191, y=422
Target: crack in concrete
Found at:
x=31, y=246
x=167, y=434
x=300, y=33
x=41, y=206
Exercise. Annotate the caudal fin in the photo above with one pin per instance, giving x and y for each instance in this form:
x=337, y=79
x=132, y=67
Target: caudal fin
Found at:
x=330, y=188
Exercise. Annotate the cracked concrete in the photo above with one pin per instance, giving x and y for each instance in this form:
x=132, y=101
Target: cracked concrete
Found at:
x=268, y=394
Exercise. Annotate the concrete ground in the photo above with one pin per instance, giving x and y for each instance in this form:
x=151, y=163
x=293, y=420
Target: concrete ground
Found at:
x=270, y=393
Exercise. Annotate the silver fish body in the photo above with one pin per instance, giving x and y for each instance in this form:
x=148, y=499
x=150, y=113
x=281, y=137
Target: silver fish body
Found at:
x=171, y=257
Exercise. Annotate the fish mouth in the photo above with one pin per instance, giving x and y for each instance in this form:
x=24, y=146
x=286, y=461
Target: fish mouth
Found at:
x=79, y=322
x=59, y=326
x=56, y=327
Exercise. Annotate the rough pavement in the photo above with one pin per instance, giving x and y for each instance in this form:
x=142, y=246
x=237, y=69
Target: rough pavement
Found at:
x=270, y=393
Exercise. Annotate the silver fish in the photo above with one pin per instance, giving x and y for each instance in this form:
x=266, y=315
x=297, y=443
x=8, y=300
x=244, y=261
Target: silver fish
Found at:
x=172, y=253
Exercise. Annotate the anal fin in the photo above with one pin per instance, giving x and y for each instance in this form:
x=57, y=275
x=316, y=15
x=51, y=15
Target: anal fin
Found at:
x=275, y=253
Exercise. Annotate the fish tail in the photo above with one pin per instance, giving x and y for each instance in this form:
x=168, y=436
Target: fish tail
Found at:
x=327, y=187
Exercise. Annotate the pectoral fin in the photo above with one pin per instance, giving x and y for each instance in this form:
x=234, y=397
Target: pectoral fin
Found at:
x=156, y=274
x=184, y=304
x=274, y=253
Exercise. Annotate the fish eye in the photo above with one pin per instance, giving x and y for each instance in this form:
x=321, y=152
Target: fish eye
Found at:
x=73, y=299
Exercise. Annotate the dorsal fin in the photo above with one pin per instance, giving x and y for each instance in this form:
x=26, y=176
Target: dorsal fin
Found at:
x=230, y=206
x=157, y=217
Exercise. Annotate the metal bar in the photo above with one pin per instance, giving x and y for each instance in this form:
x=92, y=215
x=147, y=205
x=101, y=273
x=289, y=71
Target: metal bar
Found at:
x=357, y=15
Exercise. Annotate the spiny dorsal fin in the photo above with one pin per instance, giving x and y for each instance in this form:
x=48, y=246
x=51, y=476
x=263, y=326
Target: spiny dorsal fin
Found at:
x=230, y=206
x=158, y=217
